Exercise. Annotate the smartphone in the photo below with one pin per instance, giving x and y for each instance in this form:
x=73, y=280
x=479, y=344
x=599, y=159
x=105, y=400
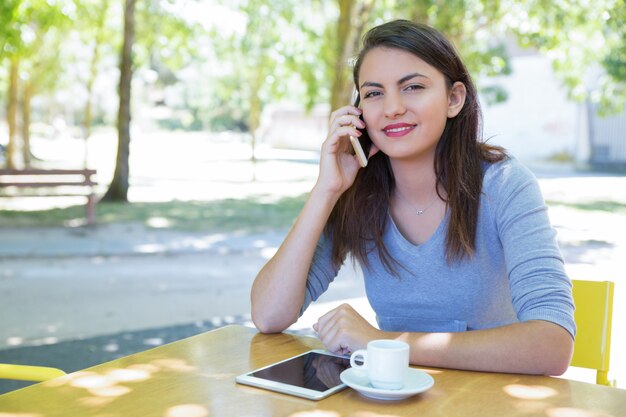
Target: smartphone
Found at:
x=363, y=143
x=313, y=375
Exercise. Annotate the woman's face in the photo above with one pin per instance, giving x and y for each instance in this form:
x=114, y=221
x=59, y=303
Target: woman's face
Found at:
x=405, y=103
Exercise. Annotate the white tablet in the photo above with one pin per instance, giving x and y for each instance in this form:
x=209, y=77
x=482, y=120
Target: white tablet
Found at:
x=313, y=375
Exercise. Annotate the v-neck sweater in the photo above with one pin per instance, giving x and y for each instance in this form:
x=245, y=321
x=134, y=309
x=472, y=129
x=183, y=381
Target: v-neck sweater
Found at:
x=516, y=273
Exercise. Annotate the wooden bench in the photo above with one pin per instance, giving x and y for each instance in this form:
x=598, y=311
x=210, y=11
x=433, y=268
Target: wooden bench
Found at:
x=53, y=179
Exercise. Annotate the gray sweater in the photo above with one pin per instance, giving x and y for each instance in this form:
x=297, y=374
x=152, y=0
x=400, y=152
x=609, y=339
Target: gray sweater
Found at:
x=515, y=275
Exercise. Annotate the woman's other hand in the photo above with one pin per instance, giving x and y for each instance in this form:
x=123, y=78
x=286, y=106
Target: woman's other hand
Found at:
x=343, y=330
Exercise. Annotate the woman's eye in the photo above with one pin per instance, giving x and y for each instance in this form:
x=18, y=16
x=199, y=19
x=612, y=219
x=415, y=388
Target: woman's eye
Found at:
x=371, y=94
x=414, y=87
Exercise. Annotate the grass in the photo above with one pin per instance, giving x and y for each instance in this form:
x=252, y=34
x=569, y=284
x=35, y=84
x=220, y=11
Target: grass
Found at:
x=253, y=214
x=608, y=206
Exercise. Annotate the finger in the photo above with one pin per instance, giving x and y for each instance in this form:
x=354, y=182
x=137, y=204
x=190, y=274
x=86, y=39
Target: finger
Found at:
x=334, y=139
x=347, y=120
x=331, y=315
x=323, y=321
x=338, y=333
x=328, y=332
x=334, y=336
x=345, y=110
x=345, y=350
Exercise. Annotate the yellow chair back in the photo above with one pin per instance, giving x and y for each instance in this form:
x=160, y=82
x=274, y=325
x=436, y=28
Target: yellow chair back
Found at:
x=593, y=316
x=28, y=373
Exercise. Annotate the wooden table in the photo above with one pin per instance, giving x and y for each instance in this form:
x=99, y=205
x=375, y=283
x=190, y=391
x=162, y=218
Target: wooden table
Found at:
x=195, y=377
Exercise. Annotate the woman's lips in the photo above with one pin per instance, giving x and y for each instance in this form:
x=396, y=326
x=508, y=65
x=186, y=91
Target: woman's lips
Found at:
x=398, y=129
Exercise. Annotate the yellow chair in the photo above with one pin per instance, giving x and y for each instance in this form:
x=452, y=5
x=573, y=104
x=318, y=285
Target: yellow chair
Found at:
x=593, y=316
x=28, y=373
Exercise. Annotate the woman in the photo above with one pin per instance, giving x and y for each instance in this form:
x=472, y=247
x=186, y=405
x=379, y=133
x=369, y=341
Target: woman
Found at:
x=458, y=255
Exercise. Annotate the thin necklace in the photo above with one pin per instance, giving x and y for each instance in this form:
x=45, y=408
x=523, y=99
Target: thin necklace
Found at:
x=419, y=212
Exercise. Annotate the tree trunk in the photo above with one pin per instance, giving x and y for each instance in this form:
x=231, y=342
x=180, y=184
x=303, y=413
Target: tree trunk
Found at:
x=353, y=18
x=93, y=74
x=27, y=95
x=254, y=118
x=118, y=190
x=12, y=111
x=344, y=26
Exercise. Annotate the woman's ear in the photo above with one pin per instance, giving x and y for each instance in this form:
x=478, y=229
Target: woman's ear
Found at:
x=456, y=99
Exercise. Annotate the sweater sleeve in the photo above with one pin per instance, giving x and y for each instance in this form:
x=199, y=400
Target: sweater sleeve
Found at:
x=540, y=288
x=321, y=273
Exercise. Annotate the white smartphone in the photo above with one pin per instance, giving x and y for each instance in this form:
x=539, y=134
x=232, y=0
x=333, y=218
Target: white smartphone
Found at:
x=358, y=151
x=362, y=144
x=313, y=375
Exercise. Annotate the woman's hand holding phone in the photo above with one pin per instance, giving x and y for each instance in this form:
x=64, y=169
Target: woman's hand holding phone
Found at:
x=338, y=166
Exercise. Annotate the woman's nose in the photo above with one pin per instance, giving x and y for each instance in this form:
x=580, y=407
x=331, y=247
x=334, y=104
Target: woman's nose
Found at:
x=394, y=106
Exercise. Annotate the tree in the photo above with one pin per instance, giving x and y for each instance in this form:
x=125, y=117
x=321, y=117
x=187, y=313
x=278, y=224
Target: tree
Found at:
x=41, y=66
x=354, y=16
x=11, y=43
x=155, y=21
x=31, y=37
x=118, y=189
x=585, y=44
x=95, y=33
x=330, y=33
x=266, y=59
x=576, y=36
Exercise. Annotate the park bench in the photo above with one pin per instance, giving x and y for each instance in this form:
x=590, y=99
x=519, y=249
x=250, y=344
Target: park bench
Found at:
x=53, y=183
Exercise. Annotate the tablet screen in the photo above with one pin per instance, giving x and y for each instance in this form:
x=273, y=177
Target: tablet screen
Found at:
x=313, y=370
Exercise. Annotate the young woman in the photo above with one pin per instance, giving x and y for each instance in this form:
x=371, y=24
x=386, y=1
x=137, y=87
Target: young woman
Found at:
x=458, y=255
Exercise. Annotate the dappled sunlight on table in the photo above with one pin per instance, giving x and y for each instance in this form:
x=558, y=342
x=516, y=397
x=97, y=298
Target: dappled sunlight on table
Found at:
x=431, y=371
x=315, y=413
x=103, y=388
x=575, y=412
x=373, y=414
x=94, y=402
x=187, y=410
x=529, y=392
x=128, y=375
x=531, y=407
x=171, y=364
x=91, y=380
x=112, y=391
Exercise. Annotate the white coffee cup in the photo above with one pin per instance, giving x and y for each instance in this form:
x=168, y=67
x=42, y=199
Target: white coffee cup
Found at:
x=386, y=363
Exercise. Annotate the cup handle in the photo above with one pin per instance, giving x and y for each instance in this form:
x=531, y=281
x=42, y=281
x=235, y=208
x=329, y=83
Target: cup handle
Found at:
x=363, y=354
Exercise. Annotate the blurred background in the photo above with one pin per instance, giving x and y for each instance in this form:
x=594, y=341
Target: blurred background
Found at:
x=203, y=120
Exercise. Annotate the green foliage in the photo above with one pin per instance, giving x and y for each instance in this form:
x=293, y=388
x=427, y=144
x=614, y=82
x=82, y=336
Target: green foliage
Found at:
x=9, y=29
x=28, y=27
x=578, y=36
x=276, y=56
x=165, y=40
x=265, y=51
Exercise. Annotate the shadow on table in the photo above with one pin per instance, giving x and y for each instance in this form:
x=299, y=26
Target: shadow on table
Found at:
x=74, y=355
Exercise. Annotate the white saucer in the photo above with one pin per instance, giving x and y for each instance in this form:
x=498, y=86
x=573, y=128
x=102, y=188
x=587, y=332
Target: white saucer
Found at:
x=417, y=381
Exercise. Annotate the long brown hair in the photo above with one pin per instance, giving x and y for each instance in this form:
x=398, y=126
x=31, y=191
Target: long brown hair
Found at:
x=359, y=218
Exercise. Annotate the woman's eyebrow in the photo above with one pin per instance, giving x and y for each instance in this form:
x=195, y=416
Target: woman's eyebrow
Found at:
x=410, y=76
x=400, y=81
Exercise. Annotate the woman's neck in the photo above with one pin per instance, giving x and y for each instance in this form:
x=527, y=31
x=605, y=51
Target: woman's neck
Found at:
x=415, y=180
